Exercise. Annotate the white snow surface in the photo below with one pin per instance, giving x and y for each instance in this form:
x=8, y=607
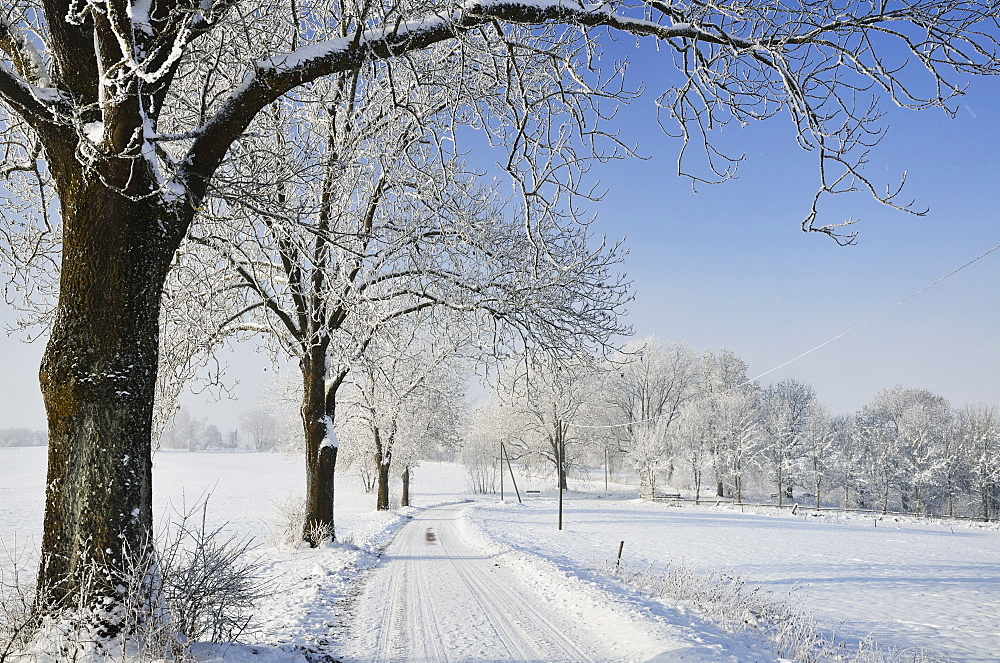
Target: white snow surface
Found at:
x=497, y=581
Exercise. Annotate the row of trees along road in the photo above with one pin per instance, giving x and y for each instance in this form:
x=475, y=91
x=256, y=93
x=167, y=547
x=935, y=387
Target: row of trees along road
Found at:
x=672, y=417
x=143, y=136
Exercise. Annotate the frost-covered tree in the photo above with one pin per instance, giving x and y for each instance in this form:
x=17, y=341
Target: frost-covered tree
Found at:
x=720, y=376
x=786, y=408
x=408, y=393
x=21, y=437
x=489, y=425
x=651, y=452
x=979, y=429
x=331, y=246
x=648, y=383
x=118, y=117
x=737, y=428
x=818, y=444
x=845, y=461
x=550, y=397
x=185, y=432
x=924, y=428
x=694, y=434
x=902, y=431
x=262, y=427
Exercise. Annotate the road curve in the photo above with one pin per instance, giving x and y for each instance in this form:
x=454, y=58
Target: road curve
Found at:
x=435, y=599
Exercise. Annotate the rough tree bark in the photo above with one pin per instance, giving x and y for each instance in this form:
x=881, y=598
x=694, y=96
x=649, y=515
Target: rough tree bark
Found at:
x=318, y=412
x=98, y=373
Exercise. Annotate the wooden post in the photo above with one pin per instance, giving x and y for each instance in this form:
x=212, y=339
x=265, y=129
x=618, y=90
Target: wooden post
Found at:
x=618, y=562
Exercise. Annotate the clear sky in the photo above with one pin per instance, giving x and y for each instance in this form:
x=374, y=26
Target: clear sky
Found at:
x=729, y=267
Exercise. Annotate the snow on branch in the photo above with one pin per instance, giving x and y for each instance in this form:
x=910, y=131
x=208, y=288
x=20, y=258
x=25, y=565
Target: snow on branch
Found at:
x=823, y=64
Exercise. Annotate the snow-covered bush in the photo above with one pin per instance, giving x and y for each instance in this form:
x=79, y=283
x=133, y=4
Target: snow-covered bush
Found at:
x=16, y=599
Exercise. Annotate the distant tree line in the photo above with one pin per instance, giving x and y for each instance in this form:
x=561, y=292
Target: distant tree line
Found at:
x=22, y=437
x=190, y=434
x=661, y=415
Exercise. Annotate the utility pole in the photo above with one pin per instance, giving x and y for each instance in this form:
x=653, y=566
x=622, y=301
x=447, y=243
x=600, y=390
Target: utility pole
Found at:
x=501, y=470
x=503, y=455
x=561, y=459
x=606, y=470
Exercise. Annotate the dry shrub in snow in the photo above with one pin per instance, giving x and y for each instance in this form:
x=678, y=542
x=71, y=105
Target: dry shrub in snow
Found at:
x=16, y=600
x=210, y=582
x=728, y=601
x=288, y=530
x=131, y=627
x=195, y=584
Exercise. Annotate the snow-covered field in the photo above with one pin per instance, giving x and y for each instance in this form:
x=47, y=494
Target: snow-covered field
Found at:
x=906, y=584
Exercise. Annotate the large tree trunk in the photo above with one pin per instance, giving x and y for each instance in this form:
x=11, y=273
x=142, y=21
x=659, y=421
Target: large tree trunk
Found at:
x=98, y=378
x=318, y=411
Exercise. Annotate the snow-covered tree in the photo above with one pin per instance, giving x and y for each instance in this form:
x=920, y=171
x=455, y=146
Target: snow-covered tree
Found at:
x=651, y=452
x=648, y=383
x=818, y=444
x=979, y=428
x=737, y=428
x=21, y=437
x=846, y=461
x=902, y=431
x=408, y=392
x=338, y=245
x=924, y=427
x=720, y=376
x=125, y=113
x=550, y=397
x=262, y=427
x=786, y=408
x=489, y=425
x=695, y=433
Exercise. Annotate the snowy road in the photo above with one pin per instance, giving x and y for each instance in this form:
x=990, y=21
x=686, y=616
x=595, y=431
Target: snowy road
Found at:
x=435, y=599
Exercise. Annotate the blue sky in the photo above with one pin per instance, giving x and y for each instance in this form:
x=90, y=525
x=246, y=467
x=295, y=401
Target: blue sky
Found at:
x=729, y=267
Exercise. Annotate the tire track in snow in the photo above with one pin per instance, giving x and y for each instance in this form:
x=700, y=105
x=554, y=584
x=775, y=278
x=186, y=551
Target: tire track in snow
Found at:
x=400, y=616
x=435, y=599
x=546, y=641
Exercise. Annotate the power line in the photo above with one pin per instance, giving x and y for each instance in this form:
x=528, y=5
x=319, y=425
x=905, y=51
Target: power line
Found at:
x=814, y=349
x=877, y=315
